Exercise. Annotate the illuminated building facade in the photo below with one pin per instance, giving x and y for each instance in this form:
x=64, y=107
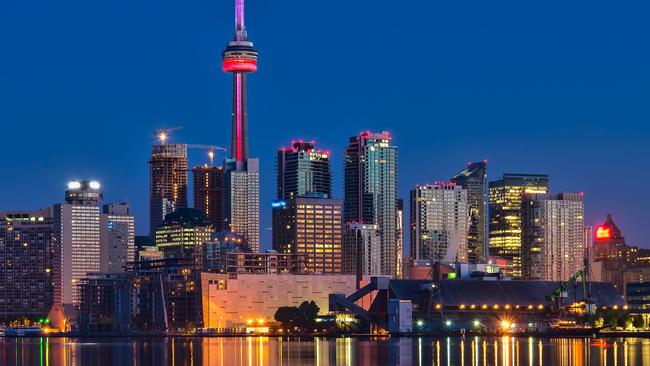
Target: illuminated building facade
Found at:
x=183, y=233
x=505, y=215
x=612, y=256
x=370, y=191
x=439, y=222
x=310, y=226
x=117, y=237
x=553, y=242
x=474, y=180
x=77, y=228
x=168, y=182
x=242, y=200
x=208, y=194
x=302, y=170
x=27, y=243
x=362, y=249
x=235, y=302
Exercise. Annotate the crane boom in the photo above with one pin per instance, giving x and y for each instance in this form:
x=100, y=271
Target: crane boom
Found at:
x=211, y=149
x=555, y=296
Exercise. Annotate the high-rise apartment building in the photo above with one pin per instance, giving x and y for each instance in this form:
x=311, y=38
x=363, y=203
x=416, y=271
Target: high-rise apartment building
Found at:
x=439, y=222
x=302, y=170
x=117, y=237
x=310, y=226
x=370, y=191
x=183, y=233
x=27, y=243
x=242, y=200
x=474, y=180
x=168, y=181
x=553, y=230
x=505, y=215
x=362, y=249
x=208, y=194
x=77, y=230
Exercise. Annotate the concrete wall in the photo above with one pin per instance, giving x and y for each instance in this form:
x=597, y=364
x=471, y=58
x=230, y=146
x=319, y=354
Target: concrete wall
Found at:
x=230, y=302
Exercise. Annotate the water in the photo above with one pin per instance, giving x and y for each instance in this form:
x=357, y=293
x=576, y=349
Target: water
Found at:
x=250, y=351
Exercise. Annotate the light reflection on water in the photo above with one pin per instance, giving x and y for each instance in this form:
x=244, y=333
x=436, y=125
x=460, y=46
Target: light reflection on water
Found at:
x=254, y=351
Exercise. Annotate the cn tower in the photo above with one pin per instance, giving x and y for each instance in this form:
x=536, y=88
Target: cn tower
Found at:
x=239, y=58
x=241, y=173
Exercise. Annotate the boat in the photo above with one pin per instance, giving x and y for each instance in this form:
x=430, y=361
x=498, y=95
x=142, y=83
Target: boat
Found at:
x=26, y=331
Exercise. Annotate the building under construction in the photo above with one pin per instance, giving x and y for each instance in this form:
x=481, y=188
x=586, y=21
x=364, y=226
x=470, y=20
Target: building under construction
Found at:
x=168, y=178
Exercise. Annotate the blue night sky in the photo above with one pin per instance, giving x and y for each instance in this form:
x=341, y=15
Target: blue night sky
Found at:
x=554, y=87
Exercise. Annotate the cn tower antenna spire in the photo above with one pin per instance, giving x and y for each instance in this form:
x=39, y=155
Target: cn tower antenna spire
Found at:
x=240, y=28
x=239, y=58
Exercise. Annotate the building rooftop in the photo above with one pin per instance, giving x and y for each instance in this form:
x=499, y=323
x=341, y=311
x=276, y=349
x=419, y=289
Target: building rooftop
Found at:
x=466, y=292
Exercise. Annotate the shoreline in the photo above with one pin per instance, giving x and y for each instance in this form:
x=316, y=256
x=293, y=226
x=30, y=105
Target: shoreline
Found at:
x=595, y=335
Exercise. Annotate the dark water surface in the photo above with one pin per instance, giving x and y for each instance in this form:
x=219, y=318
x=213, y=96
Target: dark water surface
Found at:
x=252, y=351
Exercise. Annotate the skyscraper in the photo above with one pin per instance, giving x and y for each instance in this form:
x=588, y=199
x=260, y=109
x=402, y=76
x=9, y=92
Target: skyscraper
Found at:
x=168, y=181
x=310, y=226
x=242, y=200
x=27, y=244
x=117, y=237
x=208, y=194
x=505, y=215
x=370, y=191
x=303, y=170
x=439, y=222
x=553, y=230
x=474, y=180
x=77, y=230
x=241, y=179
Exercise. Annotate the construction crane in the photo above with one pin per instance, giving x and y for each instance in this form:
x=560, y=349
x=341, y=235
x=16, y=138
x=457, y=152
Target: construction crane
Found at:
x=562, y=290
x=211, y=149
x=163, y=135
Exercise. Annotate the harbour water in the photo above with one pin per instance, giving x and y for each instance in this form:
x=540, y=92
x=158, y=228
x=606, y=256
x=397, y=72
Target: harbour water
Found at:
x=249, y=351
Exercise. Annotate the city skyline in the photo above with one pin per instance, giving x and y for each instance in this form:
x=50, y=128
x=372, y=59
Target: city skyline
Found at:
x=123, y=172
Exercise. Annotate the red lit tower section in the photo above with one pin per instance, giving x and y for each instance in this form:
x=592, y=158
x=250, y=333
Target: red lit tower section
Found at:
x=239, y=58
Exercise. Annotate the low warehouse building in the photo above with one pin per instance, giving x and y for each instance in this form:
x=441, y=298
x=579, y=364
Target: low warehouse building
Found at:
x=233, y=300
